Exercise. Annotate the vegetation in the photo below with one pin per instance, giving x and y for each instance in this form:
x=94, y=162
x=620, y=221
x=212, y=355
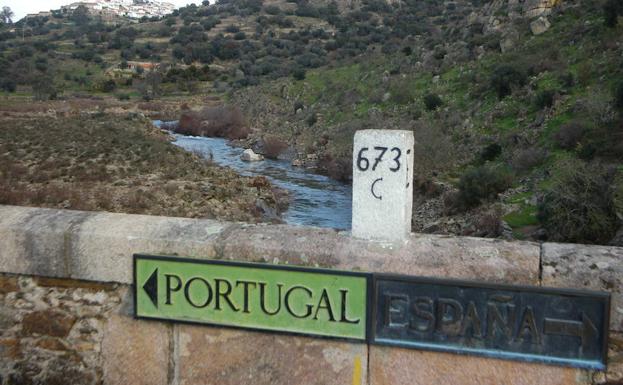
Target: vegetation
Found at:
x=496, y=110
x=121, y=165
x=482, y=183
x=579, y=206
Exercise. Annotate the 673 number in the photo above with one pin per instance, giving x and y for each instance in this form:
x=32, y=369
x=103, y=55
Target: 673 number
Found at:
x=363, y=163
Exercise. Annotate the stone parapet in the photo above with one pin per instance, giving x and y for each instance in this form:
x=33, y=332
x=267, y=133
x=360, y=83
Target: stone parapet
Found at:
x=66, y=302
x=99, y=246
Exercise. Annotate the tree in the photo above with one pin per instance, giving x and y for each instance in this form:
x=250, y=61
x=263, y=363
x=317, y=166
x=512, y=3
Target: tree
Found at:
x=505, y=78
x=150, y=88
x=8, y=85
x=6, y=15
x=80, y=16
x=612, y=9
x=432, y=101
x=618, y=96
x=299, y=73
x=43, y=88
x=579, y=205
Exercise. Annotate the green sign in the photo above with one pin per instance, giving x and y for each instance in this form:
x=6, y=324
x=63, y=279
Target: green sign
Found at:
x=256, y=296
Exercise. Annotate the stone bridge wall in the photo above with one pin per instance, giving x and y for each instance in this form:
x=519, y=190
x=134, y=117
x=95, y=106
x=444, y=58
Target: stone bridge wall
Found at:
x=66, y=303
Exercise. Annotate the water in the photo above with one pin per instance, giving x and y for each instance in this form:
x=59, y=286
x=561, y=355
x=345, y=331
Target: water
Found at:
x=315, y=199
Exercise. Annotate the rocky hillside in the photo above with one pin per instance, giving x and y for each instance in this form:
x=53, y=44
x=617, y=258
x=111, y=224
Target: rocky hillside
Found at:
x=516, y=106
x=121, y=163
x=514, y=110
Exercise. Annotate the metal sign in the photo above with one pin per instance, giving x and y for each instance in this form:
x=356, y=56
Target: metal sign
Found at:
x=315, y=302
x=558, y=326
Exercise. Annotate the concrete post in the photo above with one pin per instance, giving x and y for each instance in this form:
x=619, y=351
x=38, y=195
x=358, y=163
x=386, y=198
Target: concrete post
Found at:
x=382, y=184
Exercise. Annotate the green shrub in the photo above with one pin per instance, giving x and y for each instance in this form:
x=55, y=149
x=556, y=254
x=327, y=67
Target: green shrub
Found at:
x=505, y=77
x=432, y=101
x=400, y=92
x=544, y=98
x=299, y=74
x=490, y=152
x=8, y=85
x=108, y=85
x=482, y=183
x=579, y=206
x=612, y=9
x=298, y=105
x=528, y=158
x=570, y=135
x=272, y=10
x=618, y=96
x=311, y=119
x=123, y=96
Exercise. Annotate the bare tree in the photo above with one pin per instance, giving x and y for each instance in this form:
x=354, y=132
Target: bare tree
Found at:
x=6, y=15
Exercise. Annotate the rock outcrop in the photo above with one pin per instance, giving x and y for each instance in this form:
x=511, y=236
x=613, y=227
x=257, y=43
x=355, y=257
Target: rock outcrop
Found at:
x=540, y=25
x=534, y=8
x=249, y=155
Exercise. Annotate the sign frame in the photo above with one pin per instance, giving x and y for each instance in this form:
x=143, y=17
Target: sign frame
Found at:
x=499, y=354
x=368, y=297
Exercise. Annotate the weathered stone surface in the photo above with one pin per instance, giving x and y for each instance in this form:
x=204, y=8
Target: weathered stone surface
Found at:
x=423, y=254
x=8, y=284
x=231, y=357
x=7, y=318
x=588, y=267
x=534, y=8
x=249, y=155
x=9, y=350
x=74, y=284
x=32, y=240
x=48, y=322
x=50, y=343
x=614, y=374
x=135, y=352
x=63, y=369
x=393, y=366
x=449, y=257
x=102, y=247
x=280, y=244
x=540, y=25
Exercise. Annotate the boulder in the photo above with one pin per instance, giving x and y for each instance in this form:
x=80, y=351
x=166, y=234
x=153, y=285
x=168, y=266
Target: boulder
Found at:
x=540, y=25
x=249, y=155
x=534, y=8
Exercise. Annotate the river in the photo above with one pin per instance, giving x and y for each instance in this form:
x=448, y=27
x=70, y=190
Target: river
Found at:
x=315, y=200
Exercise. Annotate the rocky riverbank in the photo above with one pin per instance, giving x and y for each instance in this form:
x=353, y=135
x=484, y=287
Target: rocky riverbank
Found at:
x=121, y=163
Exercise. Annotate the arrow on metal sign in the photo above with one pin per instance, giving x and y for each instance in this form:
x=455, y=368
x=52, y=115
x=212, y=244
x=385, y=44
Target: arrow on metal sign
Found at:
x=151, y=287
x=584, y=329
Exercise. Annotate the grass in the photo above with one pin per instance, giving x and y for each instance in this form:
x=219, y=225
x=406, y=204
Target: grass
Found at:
x=526, y=216
x=119, y=164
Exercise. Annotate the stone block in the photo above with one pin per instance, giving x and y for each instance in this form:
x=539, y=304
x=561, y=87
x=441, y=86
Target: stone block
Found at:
x=382, y=184
x=8, y=284
x=135, y=352
x=207, y=355
x=280, y=244
x=48, y=322
x=102, y=247
x=540, y=25
x=614, y=372
x=587, y=267
x=423, y=254
x=490, y=260
x=395, y=366
x=33, y=241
